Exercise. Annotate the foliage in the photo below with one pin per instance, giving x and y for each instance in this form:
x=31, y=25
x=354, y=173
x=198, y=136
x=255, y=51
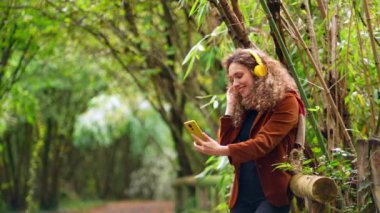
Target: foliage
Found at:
x=102, y=123
x=110, y=118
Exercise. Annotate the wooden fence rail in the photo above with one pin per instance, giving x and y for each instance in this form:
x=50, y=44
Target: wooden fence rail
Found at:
x=196, y=194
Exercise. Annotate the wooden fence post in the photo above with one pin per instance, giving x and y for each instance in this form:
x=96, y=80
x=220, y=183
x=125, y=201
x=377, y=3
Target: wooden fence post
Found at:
x=364, y=178
x=375, y=170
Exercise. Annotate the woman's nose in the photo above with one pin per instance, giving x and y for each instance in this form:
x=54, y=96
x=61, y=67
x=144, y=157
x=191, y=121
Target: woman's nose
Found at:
x=235, y=84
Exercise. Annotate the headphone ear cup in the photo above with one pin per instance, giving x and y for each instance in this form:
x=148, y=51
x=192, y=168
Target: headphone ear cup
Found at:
x=260, y=70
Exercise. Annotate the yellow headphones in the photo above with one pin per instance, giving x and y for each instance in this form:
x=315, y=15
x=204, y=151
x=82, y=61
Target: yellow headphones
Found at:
x=259, y=70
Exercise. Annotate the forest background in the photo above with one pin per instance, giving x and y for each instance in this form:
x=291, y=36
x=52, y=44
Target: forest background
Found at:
x=93, y=94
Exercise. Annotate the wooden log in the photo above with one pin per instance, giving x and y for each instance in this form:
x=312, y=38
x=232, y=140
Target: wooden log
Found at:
x=318, y=188
x=375, y=170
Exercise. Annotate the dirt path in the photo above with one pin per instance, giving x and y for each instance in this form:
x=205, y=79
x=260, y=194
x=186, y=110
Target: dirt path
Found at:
x=134, y=207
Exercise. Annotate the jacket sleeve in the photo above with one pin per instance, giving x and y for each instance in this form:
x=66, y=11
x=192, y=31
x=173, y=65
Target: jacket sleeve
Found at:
x=225, y=130
x=283, y=119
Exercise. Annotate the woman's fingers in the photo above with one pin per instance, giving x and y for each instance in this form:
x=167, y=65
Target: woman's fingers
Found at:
x=197, y=147
x=200, y=148
x=200, y=140
x=208, y=146
x=200, y=145
x=197, y=139
x=206, y=136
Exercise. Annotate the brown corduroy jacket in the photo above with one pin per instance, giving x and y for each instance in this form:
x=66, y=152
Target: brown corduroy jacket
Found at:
x=272, y=137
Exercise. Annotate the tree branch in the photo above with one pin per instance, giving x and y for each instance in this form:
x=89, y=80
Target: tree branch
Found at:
x=239, y=15
x=239, y=33
x=274, y=7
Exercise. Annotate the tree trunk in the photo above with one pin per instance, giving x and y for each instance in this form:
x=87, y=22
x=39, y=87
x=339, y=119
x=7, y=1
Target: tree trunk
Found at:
x=56, y=171
x=44, y=184
x=109, y=165
x=13, y=181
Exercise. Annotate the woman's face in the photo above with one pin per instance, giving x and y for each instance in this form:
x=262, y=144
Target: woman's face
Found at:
x=241, y=79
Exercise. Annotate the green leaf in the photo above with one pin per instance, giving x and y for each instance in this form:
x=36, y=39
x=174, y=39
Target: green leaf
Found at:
x=202, y=13
x=307, y=162
x=190, y=66
x=192, y=55
x=210, y=159
x=283, y=166
x=317, y=108
x=212, y=100
x=194, y=8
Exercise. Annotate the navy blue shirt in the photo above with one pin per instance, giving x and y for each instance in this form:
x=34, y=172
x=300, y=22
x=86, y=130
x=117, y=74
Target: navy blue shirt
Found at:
x=250, y=189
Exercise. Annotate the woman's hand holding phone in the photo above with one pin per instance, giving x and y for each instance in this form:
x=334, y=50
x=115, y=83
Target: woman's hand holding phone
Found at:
x=209, y=146
x=193, y=128
x=204, y=143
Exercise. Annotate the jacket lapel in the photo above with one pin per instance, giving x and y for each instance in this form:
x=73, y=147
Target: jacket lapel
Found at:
x=237, y=130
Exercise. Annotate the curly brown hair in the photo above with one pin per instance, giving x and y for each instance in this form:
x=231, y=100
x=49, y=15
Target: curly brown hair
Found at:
x=267, y=91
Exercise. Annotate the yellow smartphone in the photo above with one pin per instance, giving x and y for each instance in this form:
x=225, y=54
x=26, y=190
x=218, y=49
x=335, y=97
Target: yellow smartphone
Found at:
x=193, y=128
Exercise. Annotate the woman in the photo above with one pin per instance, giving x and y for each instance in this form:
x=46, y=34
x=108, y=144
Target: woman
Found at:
x=257, y=131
